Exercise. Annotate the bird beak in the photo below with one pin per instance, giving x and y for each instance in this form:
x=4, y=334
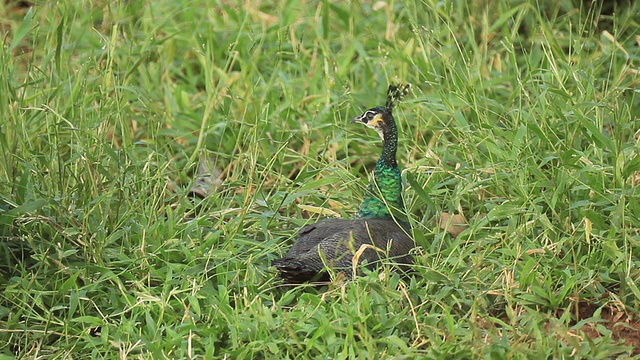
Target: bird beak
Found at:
x=356, y=119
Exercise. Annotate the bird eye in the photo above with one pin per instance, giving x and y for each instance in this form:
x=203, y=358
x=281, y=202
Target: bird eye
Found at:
x=369, y=115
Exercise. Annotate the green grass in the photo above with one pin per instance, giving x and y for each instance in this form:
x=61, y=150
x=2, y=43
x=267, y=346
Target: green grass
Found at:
x=524, y=118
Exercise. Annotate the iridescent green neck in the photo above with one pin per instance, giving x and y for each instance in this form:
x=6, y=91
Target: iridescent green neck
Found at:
x=384, y=195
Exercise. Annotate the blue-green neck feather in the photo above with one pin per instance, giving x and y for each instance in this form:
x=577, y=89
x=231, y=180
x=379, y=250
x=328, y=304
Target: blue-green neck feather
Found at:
x=384, y=195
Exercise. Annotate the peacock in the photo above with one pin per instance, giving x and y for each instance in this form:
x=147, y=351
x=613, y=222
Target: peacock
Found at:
x=378, y=231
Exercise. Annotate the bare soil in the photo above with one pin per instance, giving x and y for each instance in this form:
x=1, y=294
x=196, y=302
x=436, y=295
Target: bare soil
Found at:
x=622, y=326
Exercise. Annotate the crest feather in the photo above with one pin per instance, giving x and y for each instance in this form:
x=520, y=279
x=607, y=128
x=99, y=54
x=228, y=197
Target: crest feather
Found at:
x=395, y=94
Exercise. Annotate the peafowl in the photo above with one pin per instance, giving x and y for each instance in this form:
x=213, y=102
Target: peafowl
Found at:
x=377, y=232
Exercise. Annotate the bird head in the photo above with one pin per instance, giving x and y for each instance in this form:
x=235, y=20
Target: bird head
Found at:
x=375, y=118
x=380, y=118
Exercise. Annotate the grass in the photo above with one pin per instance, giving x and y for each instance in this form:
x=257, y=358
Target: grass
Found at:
x=524, y=119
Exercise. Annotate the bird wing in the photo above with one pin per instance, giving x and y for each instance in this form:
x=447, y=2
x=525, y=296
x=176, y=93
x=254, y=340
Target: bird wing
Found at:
x=334, y=242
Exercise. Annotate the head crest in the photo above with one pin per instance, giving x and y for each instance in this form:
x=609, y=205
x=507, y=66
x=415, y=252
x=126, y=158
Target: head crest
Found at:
x=395, y=93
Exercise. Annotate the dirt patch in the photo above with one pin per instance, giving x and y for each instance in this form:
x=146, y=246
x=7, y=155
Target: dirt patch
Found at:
x=622, y=326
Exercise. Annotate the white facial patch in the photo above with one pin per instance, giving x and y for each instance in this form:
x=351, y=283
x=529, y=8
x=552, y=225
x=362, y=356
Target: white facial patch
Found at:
x=369, y=114
x=379, y=131
x=372, y=119
x=366, y=117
